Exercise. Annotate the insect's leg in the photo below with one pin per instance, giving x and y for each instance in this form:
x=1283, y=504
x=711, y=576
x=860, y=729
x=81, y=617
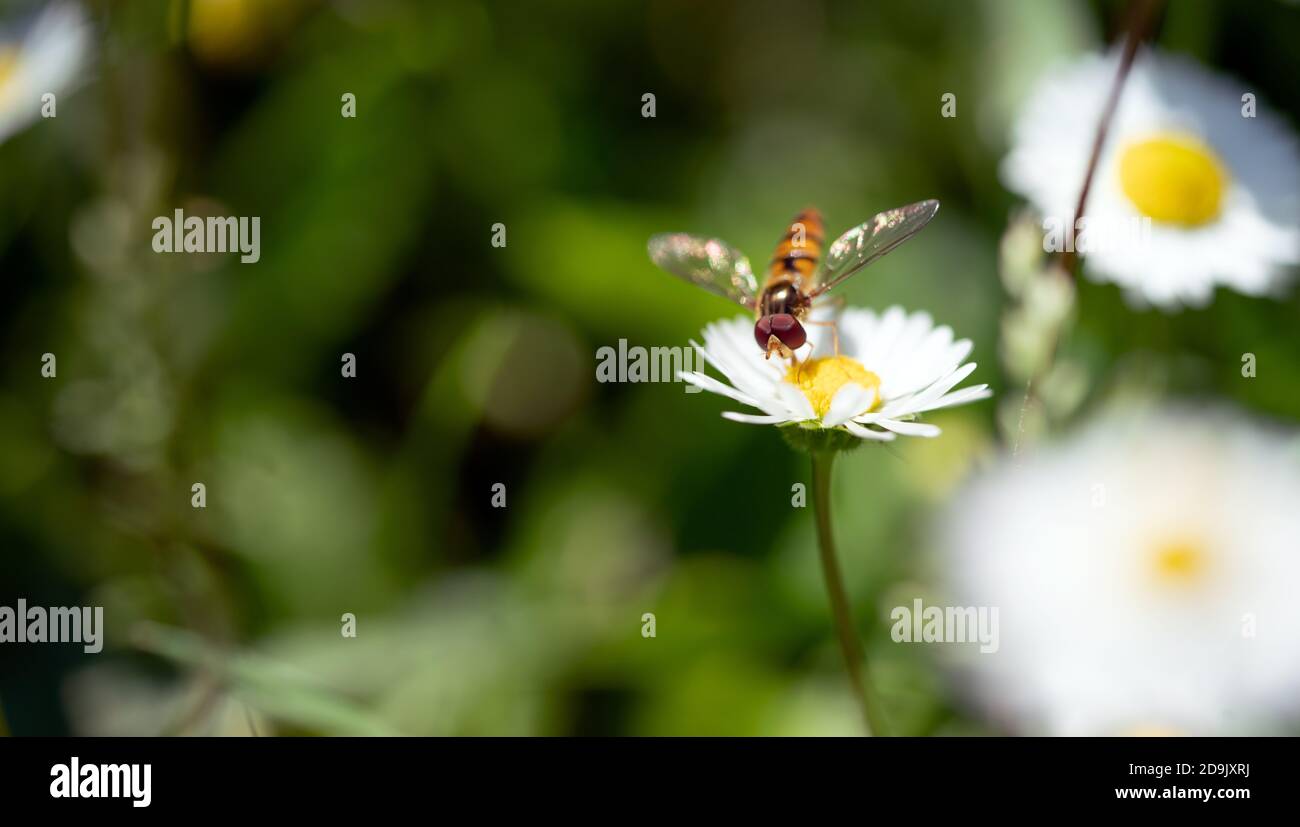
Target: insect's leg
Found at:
x=836, y=304
x=835, y=333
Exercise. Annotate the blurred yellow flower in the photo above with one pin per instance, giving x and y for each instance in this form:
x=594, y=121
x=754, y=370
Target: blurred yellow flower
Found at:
x=1145, y=573
x=1195, y=186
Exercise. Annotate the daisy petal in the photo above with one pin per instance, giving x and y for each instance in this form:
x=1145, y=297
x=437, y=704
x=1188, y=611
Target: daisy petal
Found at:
x=961, y=397
x=910, y=428
x=864, y=432
x=920, y=401
x=795, y=402
x=708, y=383
x=730, y=365
x=754, y=419
x=849, y=401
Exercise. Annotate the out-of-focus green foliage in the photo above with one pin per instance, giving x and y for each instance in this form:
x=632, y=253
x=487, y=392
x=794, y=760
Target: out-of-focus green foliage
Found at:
x=373, y=495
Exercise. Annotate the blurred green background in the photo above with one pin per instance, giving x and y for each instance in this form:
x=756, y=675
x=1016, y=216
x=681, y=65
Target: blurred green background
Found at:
x=476, y=365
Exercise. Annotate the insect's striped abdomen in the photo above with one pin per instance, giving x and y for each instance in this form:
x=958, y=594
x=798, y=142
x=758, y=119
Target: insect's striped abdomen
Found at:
x=800, y=249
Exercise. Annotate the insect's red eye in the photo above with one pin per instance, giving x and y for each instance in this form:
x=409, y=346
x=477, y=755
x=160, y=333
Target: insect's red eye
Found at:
x=784, y=327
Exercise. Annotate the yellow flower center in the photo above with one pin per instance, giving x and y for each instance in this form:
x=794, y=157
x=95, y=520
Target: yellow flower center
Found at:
x=8, y=67
x=820, y=379
x=1152, y=731
x=1175, y=179
x=1180, y=561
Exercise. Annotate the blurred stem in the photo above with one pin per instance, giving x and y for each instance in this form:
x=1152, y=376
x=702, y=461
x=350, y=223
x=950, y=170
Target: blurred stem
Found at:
x=1020, y=425
x=1142, y=16
x=850, y=645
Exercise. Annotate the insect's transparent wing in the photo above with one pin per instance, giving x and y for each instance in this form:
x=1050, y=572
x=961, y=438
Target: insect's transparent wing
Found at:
x=712, y=264
x=869, y=241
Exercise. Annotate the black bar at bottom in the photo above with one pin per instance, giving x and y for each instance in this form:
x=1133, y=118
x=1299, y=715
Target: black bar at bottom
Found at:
x=329, y=777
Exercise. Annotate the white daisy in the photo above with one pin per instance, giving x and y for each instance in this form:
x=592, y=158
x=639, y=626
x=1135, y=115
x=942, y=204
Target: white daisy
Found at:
x=45, y=59
x=891, y=367
x=1145, y=578
x=1221, y=191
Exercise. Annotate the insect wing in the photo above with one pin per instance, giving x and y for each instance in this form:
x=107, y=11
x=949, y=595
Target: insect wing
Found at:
x=712, y=264
x=869, y=241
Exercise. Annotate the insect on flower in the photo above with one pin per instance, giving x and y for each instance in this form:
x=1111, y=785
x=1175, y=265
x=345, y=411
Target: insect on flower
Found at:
x=796, y=276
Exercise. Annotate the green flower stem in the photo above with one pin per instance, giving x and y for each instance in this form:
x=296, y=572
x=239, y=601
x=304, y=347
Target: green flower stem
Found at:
x=850, y=646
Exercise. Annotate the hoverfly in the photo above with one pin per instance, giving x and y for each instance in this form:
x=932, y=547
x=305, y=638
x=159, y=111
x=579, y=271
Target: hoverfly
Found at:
x=794, y=279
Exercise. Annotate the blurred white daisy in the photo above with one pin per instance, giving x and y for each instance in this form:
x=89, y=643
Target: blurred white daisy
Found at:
x=1145, y=576
x=44, y=59
x=1221, y=190
x=890, y=368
